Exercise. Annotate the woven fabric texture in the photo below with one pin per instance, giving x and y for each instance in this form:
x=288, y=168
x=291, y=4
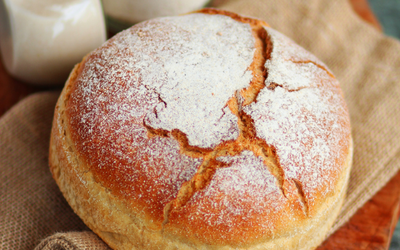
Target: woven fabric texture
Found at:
x=366, y=64
x=365, y=61
x=72, y=241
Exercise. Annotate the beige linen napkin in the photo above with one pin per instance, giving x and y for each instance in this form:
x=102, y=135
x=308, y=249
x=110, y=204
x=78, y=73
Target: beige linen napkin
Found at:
x=366, y=63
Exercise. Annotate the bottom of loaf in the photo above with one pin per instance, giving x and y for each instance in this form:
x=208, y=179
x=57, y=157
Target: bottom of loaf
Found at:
x=109, y=218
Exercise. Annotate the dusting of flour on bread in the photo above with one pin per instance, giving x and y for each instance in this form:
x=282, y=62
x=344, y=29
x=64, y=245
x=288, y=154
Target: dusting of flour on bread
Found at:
x=233, y=189
x=191, y=71
x=159, y=108
x=167, y=73
x=302, y=115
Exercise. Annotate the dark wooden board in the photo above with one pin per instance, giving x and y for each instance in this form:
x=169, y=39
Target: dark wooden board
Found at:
x=372, y=226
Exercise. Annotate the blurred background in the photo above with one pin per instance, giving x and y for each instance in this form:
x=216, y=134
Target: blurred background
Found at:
x=388, y=15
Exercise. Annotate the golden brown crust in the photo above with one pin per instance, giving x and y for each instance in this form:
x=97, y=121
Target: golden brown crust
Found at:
x=141, y=185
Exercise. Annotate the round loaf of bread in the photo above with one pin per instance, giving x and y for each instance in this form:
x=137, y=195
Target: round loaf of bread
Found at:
x=203, y=131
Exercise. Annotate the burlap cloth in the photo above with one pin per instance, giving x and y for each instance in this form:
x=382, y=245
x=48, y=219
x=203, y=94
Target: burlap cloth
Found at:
x=366, y=62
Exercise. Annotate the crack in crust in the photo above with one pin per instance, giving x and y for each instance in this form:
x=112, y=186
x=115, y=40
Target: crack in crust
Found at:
x=300, y=191
x=151, y=132
x=316, y=64
x=192, y=151
x=260, y=73
x=234, y=16
x=247, y=139
x=274, y=85
x=198, y=182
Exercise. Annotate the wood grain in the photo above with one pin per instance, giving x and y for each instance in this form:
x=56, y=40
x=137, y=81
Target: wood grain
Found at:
x=373, y=225
x=370, y=228
x=362, y=8
x=12, y=90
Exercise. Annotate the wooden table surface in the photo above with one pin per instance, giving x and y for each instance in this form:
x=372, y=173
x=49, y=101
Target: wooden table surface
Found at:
x=370, y=228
